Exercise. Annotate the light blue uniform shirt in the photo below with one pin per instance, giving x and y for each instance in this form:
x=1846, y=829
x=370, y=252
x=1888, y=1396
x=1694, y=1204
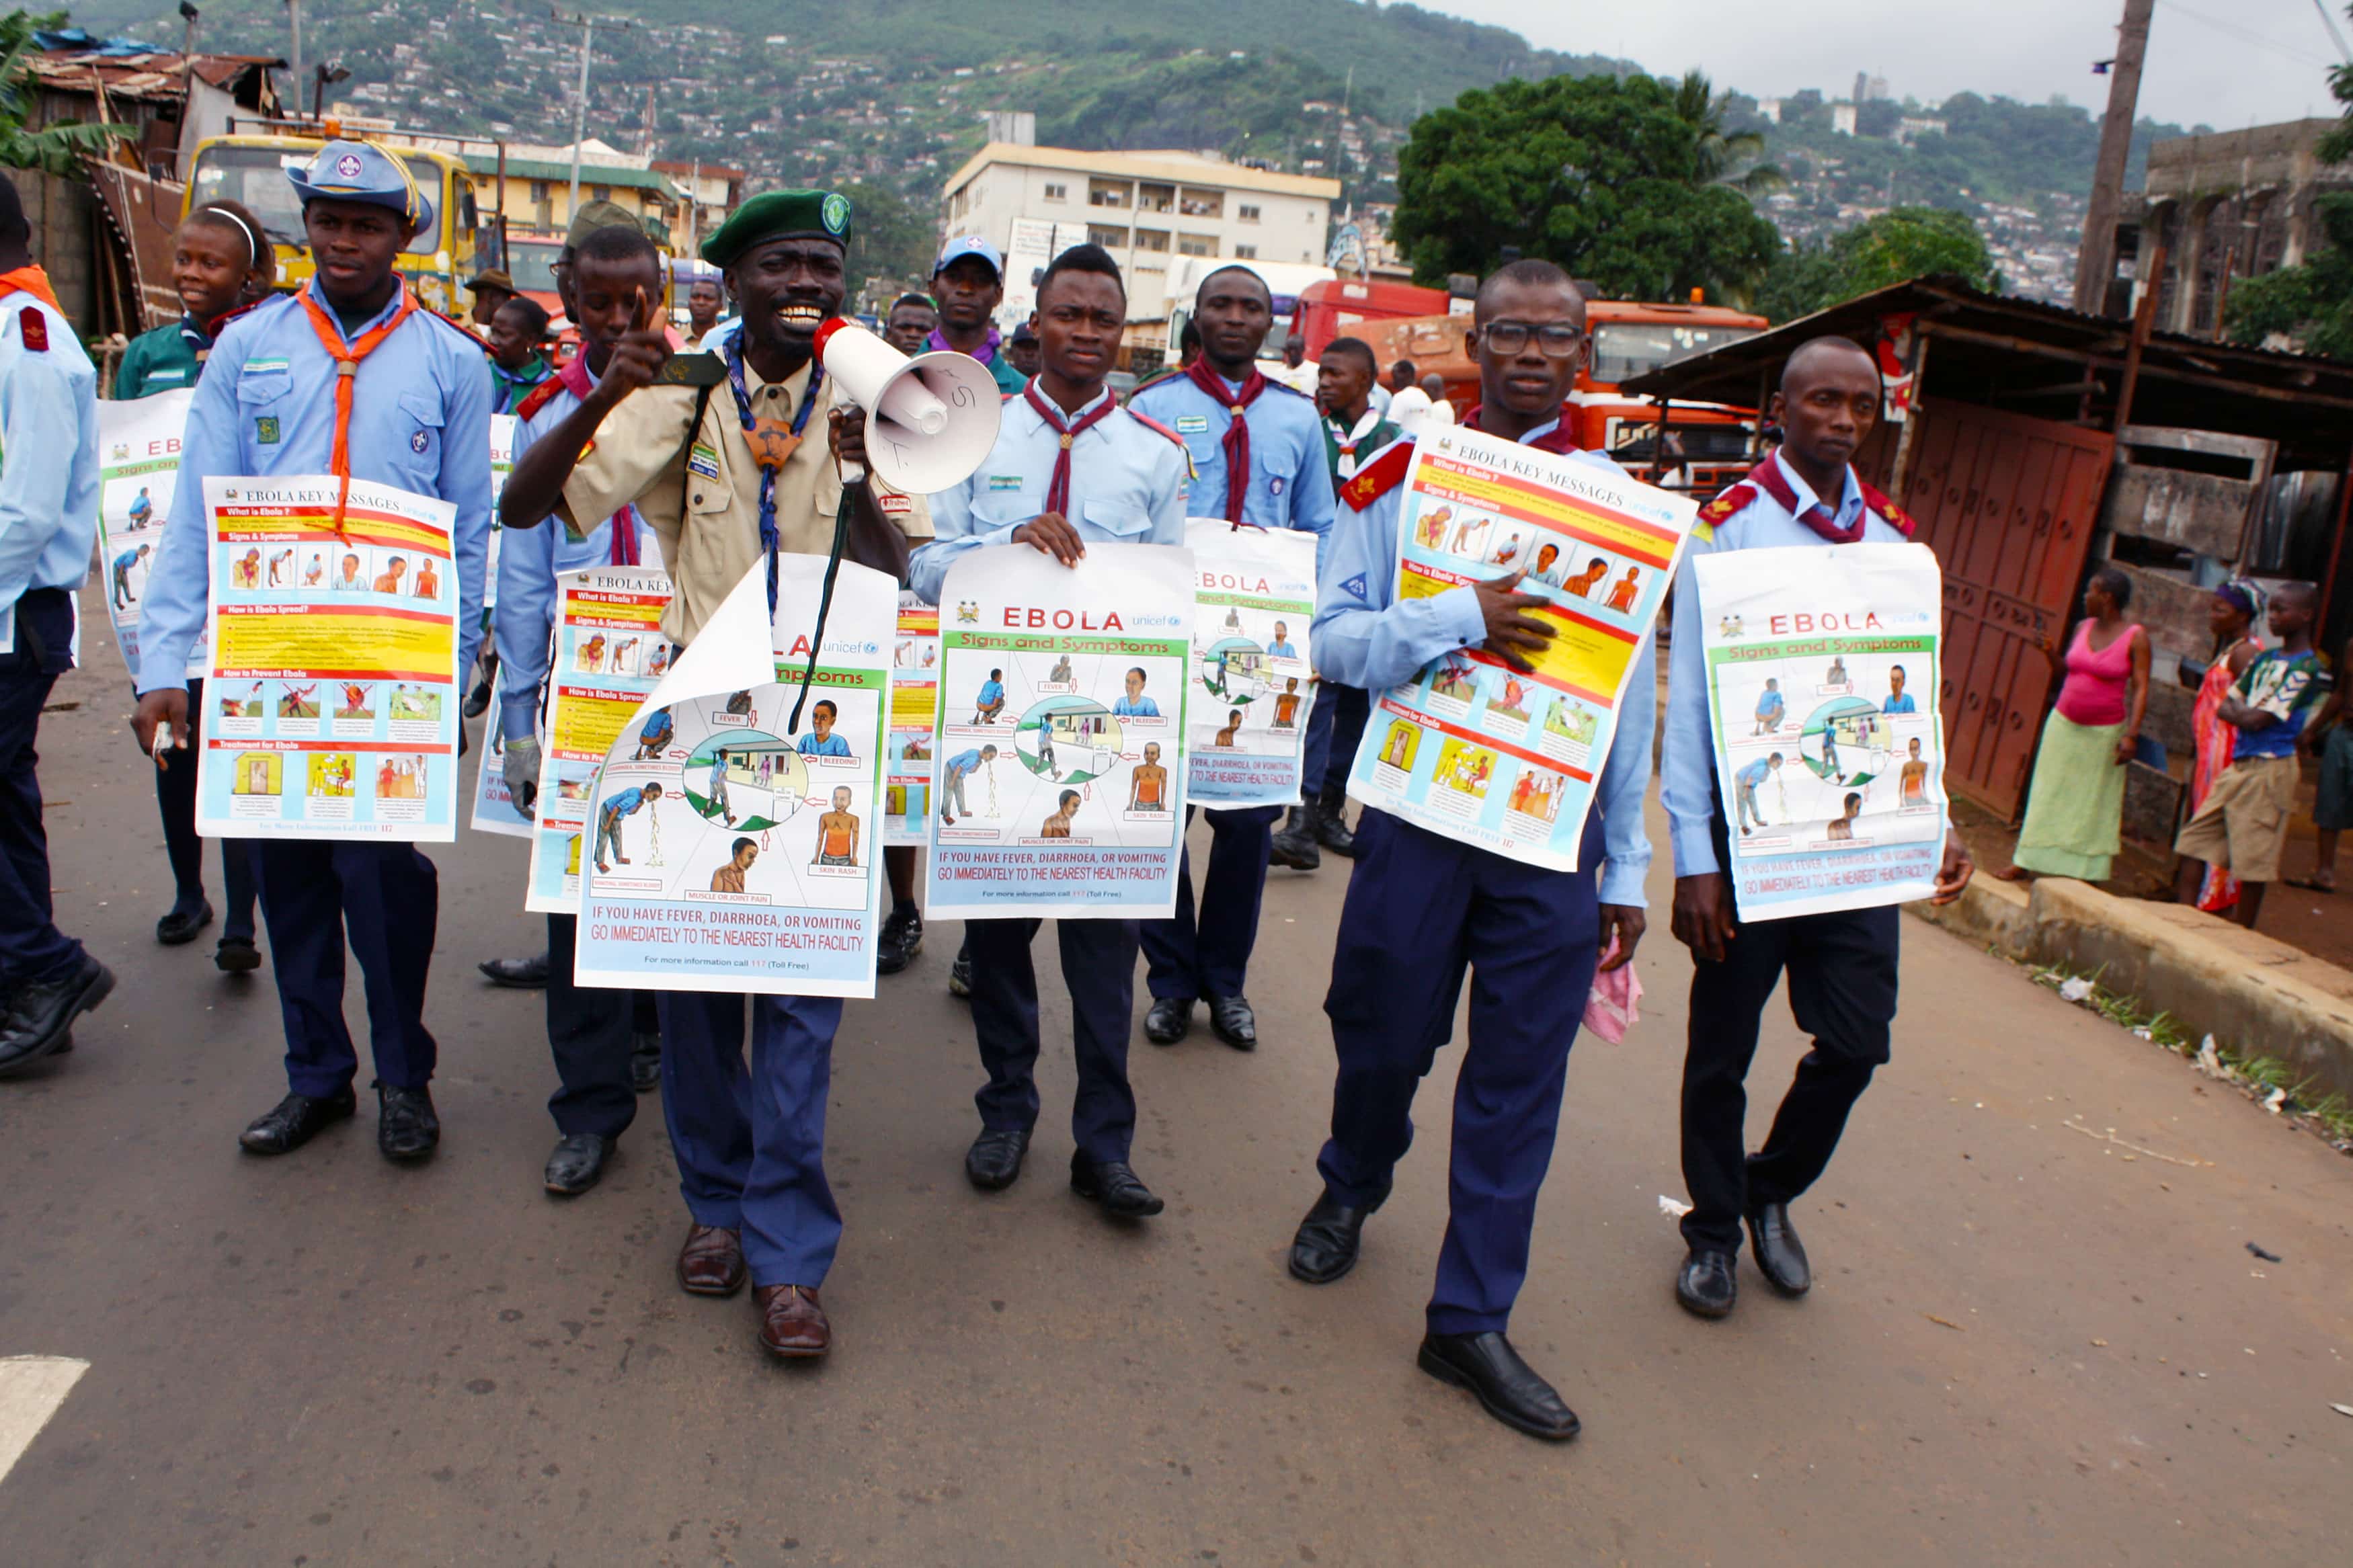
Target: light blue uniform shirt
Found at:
x=1687, y=765
x=49, y=455
x=1290, y=476
x=1363, y=637
x=528, y=558
x=266, y=406
x=1127, y=486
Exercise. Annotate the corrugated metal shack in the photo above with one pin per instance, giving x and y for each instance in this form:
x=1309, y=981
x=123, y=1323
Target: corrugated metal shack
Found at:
x=2043, y=442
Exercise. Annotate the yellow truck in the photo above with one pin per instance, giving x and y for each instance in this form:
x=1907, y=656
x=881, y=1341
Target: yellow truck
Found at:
x=250, y=167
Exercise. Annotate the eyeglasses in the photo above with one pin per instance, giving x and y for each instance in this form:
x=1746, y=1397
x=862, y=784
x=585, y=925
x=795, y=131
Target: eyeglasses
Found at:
x=1557, y=340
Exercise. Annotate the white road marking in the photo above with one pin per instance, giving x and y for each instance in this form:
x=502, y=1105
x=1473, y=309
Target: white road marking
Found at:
x=32, y=1387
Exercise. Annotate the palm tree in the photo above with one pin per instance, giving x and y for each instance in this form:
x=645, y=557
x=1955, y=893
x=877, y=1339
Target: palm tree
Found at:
x=55, y=149
x=1719, y=152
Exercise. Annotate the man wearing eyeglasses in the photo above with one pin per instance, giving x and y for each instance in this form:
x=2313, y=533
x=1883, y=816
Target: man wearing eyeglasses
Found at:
x=1539, y=934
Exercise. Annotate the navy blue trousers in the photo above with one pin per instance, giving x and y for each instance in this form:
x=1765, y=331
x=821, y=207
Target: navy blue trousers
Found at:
x=176, y=802
x=592, y=1032
x=387, y=898
x=1210, y=956
x=1099, y=966
x=751, y=1145
x=1842, y=970
x=31, y=945
x=1421, y=911
x=1334, y=728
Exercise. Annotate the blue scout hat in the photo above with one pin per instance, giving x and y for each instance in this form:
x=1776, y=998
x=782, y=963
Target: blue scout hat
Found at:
x=970, y=245
x=363, y=171
x=780, y=214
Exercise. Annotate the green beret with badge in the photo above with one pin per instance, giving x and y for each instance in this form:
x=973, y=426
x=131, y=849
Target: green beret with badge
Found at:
x=779, y=214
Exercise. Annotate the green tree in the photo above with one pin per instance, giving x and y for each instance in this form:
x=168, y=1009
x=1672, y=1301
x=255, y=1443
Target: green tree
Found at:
x=55, y=149
x=892, y=237
x=2312, y=304
x=1899, y=244
x=1611, y=178
x=1725, y=157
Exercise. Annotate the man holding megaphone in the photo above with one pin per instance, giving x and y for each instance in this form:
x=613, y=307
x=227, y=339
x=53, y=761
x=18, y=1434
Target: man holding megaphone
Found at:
x=718, y=457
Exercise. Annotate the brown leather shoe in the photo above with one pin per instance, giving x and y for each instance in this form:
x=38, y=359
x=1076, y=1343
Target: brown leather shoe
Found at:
x=711, y=1261
x=792, y=1324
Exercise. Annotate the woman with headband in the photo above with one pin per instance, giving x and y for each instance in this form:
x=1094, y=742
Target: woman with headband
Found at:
x=221, y=263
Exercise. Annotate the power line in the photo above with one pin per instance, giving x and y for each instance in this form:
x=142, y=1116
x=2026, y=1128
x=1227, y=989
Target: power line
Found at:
x=2231, y=29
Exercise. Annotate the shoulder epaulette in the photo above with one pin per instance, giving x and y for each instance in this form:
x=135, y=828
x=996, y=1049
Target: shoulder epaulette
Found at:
x=538, y=398
x=1382, y=474
x=1273, y=385
x=1154, y=425
x=1728, y=504
x=1895, y=516
x=464, y=331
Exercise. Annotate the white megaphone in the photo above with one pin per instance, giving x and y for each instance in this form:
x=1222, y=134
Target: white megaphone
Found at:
x=930, y=419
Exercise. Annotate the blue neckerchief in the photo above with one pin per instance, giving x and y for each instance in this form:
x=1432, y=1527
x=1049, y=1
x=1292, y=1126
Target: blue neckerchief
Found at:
x=769, y=539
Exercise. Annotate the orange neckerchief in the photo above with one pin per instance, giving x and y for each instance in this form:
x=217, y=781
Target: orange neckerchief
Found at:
x=347, y=365
x=30, y=281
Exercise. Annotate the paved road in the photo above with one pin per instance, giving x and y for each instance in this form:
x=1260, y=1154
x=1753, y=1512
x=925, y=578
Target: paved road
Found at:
x=325, y=1360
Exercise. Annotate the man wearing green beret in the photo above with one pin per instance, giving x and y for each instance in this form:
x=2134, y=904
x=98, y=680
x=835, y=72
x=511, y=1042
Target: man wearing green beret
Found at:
x=729, y=477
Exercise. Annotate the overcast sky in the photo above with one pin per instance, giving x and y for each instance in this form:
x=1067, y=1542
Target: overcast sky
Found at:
x=2229, y=63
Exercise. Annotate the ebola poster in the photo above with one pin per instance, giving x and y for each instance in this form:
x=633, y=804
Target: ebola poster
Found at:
x=733, y=838
x=1823, y=669
x=608, y=657
x=139, y=462
x=502, y=441
x=1059, y=779
x=1505, y=759
x=331, y=699
x=494, y=807
x=1252, y=677
x=915, y=716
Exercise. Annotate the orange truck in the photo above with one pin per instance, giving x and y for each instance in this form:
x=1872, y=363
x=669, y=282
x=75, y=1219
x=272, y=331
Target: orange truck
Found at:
x=1426, y=326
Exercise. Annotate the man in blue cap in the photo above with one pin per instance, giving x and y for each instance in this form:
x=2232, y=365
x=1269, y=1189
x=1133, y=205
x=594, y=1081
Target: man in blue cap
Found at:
x=417, y=417
x=1257, y=448
x=968, y=281
x=727, y=479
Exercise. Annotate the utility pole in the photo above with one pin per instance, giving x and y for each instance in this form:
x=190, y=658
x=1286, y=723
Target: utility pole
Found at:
x=587, y=25
x=294, y=53
x=2095, y=259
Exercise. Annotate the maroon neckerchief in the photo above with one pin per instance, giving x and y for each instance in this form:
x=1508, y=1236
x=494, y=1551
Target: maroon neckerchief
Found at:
x=1560, y=439
x=575, y=377
x=1237, y=442
x=1768, y=476
x=1058, y=489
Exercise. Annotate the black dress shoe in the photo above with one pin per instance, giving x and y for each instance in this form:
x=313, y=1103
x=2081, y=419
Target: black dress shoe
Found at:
x=994, y=1157
x=1294, y=844
x=1325, y=1246
x=294, y=1122
x=183, y=922
x=236, y=955
x=521, y=973
x=1113, y=1188
x=1705, y=1285
x=478, y=700
x=406, y=1127
x=1780, y=1256
x=1487, y=1365
x=1167, y=1020
x=41, y=1016
x=1236, y=1025
x=645, y=1064
x=901, y=939
x=578, y=1161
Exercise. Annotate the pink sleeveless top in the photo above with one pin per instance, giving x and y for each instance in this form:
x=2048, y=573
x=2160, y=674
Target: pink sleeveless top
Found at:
x=2095, y=692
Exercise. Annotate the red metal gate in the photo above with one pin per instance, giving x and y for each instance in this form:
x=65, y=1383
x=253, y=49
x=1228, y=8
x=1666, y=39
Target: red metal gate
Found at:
x=2008, y=504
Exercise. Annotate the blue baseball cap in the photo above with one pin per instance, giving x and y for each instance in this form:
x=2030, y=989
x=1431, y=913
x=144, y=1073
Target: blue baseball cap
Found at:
x=970, y=245
x=363, y=171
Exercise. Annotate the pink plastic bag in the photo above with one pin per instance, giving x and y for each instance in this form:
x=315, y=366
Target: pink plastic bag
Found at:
x=1615, y=1004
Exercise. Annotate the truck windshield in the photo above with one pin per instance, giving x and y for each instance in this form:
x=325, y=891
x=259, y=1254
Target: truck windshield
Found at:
x=1624, y=350
x=531, y=262
x=256, y=176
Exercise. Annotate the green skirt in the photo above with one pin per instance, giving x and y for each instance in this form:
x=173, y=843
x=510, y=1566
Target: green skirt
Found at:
x=2076, y=803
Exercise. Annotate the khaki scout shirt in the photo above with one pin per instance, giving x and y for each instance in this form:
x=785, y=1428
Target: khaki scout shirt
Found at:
x=702, y=496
